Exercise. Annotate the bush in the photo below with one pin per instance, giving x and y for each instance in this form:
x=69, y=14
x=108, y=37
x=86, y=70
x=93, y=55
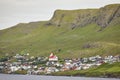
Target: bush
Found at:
x=3, y=59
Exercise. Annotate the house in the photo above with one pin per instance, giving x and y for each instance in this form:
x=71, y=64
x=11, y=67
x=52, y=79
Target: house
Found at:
x=53, y=57
x=49, y=70
x=14, y=68
x=41, y=69
x=19, y=57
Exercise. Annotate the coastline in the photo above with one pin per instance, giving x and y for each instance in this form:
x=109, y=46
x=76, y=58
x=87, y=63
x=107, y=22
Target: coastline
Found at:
x=105, y=70
x=65, y=76
x=81, y=75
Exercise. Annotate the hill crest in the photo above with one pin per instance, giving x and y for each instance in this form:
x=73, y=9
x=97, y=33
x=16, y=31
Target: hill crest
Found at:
x=69, y=33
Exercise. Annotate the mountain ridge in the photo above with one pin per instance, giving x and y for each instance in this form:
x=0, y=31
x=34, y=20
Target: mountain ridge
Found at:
x=71, y=33
x=83, y=17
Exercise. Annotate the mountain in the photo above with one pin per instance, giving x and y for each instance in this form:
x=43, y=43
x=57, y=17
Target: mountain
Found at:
x=102, y=17
x=69, y=33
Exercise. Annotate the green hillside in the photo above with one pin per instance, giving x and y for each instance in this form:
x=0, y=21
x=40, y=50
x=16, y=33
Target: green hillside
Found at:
x=70, y=33
x=104, y=70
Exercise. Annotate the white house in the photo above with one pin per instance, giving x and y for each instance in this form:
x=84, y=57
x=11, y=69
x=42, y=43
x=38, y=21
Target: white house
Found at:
x=14, y=68
x=53, y=57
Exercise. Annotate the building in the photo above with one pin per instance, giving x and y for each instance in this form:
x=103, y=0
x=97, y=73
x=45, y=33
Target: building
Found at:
x=53, y=57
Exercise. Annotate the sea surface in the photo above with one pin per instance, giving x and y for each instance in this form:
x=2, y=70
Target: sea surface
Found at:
x=39, y=77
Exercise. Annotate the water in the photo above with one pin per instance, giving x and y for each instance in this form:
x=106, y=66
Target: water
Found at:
x=38, y=77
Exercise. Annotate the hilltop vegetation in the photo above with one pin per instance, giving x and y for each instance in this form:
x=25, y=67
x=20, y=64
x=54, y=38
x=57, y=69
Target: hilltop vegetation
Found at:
x=70, y=33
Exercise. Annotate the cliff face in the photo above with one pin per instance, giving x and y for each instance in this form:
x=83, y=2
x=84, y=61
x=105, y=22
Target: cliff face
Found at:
x=74, y=18
x=108, y=14
x=102, y=17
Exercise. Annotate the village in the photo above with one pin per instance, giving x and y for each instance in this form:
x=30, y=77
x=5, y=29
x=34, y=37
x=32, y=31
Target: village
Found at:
x=23, y=64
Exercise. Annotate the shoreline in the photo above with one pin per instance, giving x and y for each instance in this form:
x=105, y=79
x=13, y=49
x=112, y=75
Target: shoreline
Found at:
x=49, y=77
x=64, y=75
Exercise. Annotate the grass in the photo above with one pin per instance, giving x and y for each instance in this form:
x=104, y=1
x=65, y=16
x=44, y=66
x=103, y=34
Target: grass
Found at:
x=105, y=70
x=40, y=39
x=43, y=40
x=21, y=72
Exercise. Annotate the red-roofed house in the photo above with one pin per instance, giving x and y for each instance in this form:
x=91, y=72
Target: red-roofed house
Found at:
x=53, y=57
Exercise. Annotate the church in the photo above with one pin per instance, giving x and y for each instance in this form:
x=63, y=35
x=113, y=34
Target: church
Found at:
x=53, y=57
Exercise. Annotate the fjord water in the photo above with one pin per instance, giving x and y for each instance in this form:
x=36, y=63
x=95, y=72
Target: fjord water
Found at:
x=38, y=77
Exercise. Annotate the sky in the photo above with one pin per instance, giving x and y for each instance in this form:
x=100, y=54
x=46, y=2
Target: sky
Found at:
x=13, y=12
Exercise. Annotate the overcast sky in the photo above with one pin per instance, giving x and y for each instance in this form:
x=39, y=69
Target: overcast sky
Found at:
x=13, y=12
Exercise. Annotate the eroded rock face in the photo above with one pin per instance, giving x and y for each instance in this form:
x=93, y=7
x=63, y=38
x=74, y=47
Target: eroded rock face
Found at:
x=107, y=14
x=78, y=18
x=74, y=17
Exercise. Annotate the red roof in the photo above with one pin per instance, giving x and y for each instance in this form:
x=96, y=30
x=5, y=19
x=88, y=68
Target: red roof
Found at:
x=52, y=55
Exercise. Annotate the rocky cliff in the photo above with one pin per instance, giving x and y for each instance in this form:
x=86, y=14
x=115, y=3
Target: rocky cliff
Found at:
x=102, y=17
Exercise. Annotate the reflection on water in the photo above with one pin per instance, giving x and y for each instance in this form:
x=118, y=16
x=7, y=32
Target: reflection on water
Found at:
x=38, y=77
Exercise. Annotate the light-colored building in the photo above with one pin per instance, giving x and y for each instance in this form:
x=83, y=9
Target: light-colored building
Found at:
x=53, y=57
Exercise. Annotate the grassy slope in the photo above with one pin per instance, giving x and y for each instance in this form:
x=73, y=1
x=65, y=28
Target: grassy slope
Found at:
x=40, y=39
x=43, y=40
x=105, y=70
